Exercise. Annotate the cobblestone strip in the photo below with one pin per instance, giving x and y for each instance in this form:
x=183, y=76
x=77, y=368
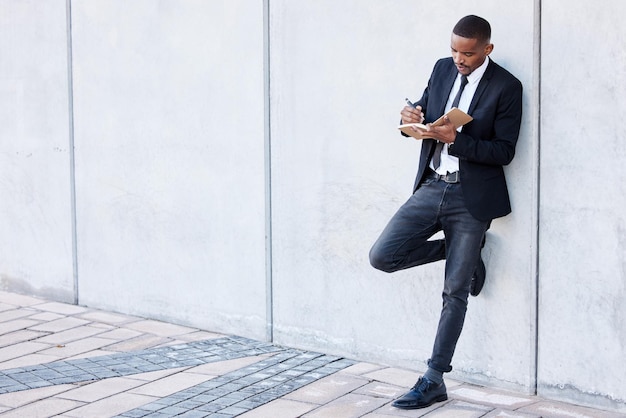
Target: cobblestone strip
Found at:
x=242, y=390
x=125, y=364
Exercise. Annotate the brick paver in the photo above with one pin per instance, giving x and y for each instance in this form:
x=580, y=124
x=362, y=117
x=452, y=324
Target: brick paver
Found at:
x=71, y=361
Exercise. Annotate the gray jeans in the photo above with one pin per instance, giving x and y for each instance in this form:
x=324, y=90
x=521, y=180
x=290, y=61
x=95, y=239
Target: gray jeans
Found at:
x=404, y=243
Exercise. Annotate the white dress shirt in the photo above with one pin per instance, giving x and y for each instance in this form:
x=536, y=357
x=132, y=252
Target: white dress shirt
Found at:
x=449, y=163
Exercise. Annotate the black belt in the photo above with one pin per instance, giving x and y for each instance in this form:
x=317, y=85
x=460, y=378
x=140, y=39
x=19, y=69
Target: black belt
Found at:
x=448, y=178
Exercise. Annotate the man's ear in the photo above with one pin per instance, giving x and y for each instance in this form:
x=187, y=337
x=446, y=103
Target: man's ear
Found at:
x=488, y=49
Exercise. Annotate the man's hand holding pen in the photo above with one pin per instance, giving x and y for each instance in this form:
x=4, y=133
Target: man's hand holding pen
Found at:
x=412, y=114
x=445, y=132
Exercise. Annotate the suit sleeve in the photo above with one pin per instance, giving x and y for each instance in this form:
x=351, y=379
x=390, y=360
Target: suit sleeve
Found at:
x=423, y=101
x=492, y=143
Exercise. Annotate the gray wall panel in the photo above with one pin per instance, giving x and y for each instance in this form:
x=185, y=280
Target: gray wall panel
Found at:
x=170, y=160
x=35, y=186
x=340, y=72
x=582, y=268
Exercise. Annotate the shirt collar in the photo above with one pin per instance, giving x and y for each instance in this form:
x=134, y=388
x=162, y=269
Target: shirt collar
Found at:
x=478, y=73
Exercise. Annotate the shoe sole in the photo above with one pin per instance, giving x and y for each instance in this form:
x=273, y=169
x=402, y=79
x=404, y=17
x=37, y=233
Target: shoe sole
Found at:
x=439, y=399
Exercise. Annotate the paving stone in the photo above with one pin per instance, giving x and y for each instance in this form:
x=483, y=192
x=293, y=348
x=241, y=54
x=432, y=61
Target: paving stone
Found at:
x=348, y=406
x=121, y=364
x=361, y=368
x=194, y=414
x=15, y=299
x=42, y=409
x=229, y=395
x=173, y=410
x=17, y=324
x=501, y=413
x=155, y=375
x=189, y=404
x=120, y=334
x=381, y=390
x=225, y=376
x=6, y=307
x=26, y=377
x=210, y=407
x=162, y=329
x=60, y=324
x=15, y=388
x=100, y=389
x=70, y=335
x=28, y=360
x=111, y=406
x=91, y=354
x=46, y=316
x=21, y=349
x=223, y=367
x=204, y=398
x=562, y=410
x=47, y=374
x=393, y=376
x=137, y=413
x=233, y=410
x=62, y=380
x=107, y=317
x=138, y=343
x=327, y=389
x=199, y=336
x=76, y=347
x=61, y=308
x=20, y=336
x=37, y=384
x=12, y=314
x=170, y=384
x=490, y=397
x=460, y=409
x=280, y=408
x=157, y=415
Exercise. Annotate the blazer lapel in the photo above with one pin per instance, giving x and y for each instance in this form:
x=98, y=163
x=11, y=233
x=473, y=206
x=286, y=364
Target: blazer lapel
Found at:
x=449, y=83
x=482, y=86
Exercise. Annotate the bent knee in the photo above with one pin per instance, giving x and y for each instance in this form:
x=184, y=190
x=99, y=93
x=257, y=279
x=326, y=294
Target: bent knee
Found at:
x=380, y=261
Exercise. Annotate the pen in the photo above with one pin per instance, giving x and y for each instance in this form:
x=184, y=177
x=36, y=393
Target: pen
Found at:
x=410, y=104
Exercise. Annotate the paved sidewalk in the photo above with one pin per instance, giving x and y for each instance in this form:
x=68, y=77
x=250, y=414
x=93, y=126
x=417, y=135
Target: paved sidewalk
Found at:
x=70, y=361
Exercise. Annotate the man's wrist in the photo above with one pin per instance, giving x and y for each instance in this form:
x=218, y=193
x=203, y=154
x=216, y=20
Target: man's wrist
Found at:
x=450, y=144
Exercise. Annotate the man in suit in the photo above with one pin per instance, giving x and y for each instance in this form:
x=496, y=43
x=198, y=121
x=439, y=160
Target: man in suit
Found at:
x=459, y=188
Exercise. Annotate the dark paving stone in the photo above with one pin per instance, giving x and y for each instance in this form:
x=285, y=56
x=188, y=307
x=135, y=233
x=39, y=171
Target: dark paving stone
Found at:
x=194, y=414
x=229, y=395
x=242, y=390
x=126, y=364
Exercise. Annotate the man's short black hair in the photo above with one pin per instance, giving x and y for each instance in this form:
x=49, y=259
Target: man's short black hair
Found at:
x=473, y=27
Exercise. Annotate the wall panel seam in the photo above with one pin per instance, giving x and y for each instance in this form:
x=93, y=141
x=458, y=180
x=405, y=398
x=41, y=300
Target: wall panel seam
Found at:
x=537, y=160
x=269, y=296
x=70, y=87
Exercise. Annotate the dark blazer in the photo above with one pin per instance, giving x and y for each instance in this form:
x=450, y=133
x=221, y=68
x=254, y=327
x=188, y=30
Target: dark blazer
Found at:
x=485, y=144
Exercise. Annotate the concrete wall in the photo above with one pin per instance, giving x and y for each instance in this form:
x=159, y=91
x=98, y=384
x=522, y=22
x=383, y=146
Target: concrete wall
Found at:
x=229, y=164
x=582, y=257
x=170, y=183
x=35, y=185
x=339, y=79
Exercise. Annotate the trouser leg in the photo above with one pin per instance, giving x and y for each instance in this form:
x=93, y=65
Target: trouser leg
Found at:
x=464, y=235
x=404, y=241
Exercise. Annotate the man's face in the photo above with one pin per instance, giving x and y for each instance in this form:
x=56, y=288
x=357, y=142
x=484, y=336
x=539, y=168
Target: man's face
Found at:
x=468, y=54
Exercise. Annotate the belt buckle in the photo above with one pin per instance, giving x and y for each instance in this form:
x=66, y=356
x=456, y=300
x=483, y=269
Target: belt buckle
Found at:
x=451, y=177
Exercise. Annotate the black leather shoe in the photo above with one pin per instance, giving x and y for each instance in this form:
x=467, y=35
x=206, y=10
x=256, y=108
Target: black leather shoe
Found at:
x=478, y=278
x=423, y=394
